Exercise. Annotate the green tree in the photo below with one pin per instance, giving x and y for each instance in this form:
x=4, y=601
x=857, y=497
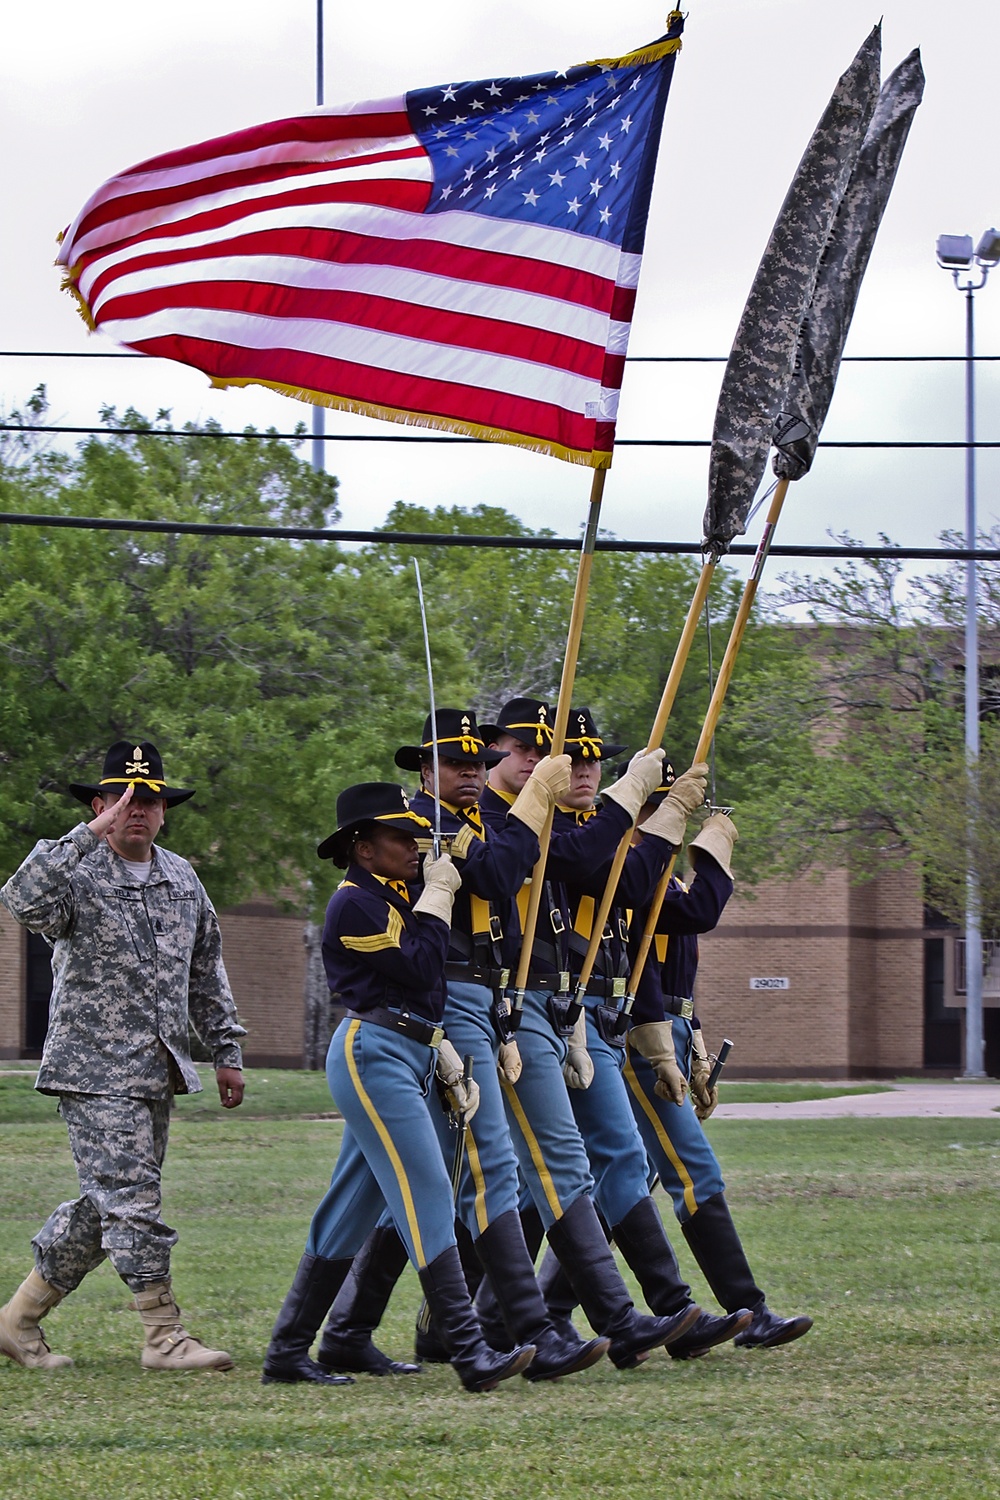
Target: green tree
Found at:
x=252, y=663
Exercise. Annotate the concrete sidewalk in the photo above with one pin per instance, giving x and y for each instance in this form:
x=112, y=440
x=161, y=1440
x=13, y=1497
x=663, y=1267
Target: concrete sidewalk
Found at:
x=936, y=1100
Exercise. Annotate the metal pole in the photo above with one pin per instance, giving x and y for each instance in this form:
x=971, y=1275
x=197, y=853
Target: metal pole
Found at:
x=319, y=412
x=973, y=934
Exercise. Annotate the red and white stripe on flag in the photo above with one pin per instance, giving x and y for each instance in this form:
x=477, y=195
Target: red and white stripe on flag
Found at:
x=462, y=258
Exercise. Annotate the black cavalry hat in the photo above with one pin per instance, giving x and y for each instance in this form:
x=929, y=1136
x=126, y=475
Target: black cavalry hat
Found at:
x=583, y=741
x=129, y=763
x=370, y=804
x=526, y=719
x=458, y=737
x=667, y=779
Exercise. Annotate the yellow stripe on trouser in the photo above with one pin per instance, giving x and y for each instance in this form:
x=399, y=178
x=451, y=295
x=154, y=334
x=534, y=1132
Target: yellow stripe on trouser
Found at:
x=661, y=1135
x=475, y=1167
x=548, y=1186
x=387, y=1142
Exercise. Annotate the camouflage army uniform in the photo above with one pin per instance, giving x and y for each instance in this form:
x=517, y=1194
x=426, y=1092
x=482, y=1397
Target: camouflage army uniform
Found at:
x=131, y=962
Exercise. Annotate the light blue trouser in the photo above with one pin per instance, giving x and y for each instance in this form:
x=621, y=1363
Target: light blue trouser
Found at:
x=673, y=1135
x=489, y=1183
x=549, y=1147
x=390, y=1155
x=610, y=1133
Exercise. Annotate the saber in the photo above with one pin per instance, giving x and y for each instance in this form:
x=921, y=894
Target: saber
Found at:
x=436, y=845
x=457, y=1162
x=720, y=1062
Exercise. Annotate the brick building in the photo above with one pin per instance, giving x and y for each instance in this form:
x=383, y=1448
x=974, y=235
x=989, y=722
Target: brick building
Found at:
x=811, y=979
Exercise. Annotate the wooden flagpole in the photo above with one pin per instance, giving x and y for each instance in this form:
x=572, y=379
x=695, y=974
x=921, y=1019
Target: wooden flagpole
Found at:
x=671, y=686
x=559, y=727
x=711, y=720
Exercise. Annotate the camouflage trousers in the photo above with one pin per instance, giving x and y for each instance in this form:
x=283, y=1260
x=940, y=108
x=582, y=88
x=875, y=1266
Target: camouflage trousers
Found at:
x=118, y=1148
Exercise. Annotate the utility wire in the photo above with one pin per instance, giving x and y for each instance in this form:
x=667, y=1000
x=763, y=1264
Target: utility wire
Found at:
x=466, y=539
x=432, y=437
x=630, y=359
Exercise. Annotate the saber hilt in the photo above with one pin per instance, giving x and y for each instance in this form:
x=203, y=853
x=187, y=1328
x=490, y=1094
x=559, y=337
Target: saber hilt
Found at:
x=720, y=1062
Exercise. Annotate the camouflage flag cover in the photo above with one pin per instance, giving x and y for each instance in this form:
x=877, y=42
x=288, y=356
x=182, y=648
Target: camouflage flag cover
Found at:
x=755, y=384
x=824, y=330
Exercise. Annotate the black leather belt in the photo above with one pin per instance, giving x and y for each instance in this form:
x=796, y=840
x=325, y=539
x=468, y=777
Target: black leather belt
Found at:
x=394, y=1020
x=678, y=1005
x=493, y=979
x=607, y=989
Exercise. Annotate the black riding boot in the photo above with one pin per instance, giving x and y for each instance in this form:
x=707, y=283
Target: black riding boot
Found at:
x=716, y=1246
x=510, y=1275
x=643, y=1242
x=478, y=1366
x=428, y=1345
x=580, y=1243
x=316, y=1284
x=347, y=1342
x=488, y=1309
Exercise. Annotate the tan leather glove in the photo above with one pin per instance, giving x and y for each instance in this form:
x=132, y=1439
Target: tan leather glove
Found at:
x=669, y=820
x=441, y=881
x=655, y=1041
x=509, y=1061
x=703, y=1098
x=462, y=1097
x=578, y=1070
x=717, y=838
x=547, y=783
x=644, y=774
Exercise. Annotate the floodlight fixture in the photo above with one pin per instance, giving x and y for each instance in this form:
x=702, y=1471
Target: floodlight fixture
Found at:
x=988, y=249
x=954, y=251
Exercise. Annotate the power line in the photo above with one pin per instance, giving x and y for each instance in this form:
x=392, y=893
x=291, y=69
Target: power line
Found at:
x=436, y=437
x=466, y=539
x=630, y=359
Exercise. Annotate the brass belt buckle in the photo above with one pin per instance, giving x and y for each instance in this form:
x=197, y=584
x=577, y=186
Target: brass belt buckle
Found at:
x=618, y=989
x=437, y=1037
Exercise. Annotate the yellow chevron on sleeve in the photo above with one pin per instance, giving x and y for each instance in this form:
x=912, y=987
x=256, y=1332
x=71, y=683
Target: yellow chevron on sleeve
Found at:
x=463, y=839
x=379, y=940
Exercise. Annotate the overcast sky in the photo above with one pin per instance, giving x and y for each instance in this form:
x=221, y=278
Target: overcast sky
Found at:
x=89, y=91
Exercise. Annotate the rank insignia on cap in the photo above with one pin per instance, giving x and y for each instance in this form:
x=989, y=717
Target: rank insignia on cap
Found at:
x=137, y=766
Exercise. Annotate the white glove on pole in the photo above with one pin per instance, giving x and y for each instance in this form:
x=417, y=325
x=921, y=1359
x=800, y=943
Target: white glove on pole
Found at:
x=441, y=881
x=547, y=783
x=669, y=820
x=644, y=774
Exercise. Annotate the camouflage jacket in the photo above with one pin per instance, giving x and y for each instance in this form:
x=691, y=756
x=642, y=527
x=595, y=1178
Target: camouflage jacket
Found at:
x=131, y=964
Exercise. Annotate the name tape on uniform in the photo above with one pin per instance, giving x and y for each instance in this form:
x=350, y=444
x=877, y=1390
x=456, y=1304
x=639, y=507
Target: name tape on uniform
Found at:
x=765, y=983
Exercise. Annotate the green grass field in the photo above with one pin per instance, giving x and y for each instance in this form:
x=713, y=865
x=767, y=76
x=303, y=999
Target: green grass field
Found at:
x=886, y=1231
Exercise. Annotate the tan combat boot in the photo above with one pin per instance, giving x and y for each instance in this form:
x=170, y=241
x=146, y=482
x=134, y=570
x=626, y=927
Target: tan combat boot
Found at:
x=21, y=1337
x=169, y=1346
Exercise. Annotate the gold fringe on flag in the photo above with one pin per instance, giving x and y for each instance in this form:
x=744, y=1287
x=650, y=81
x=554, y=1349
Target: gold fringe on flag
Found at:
x=589, y=458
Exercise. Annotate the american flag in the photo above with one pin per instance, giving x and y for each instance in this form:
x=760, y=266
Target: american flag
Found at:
x=464, y=257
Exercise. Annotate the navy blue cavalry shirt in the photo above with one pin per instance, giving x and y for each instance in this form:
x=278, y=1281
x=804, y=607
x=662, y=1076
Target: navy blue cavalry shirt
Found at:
x=686, y=912
x=378, y=951
x=494, y=857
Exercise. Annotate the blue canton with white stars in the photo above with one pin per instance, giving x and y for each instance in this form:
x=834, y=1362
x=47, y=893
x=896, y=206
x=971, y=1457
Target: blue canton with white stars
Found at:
x=561, y=149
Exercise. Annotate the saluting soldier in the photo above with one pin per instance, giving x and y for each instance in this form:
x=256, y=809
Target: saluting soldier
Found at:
x=602, y=1107
x=550, y=1149
x=384, y=948
x=666, y=1055
x=136, y=955
x=493, y=863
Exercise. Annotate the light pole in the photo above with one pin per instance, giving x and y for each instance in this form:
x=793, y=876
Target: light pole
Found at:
x=955, y=254
x=319, y=412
